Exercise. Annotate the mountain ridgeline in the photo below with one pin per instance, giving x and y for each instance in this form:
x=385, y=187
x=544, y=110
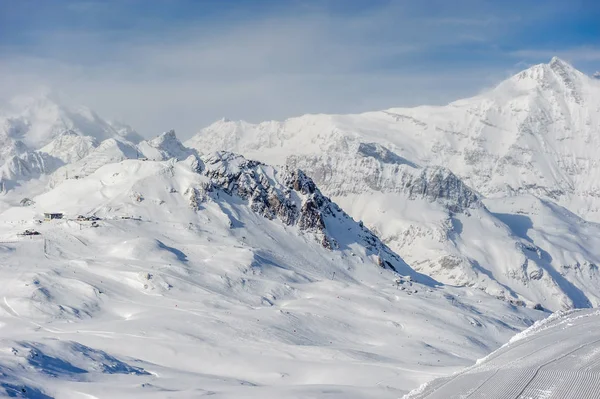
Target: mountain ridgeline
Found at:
x=498, y=192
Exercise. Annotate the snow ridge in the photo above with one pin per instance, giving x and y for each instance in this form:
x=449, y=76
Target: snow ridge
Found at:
x=293, y=198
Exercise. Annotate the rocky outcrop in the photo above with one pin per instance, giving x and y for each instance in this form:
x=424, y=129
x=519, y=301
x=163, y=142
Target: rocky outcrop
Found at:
x=438, y=184
x=272, y=199
x=375, y=168
x=287, y=195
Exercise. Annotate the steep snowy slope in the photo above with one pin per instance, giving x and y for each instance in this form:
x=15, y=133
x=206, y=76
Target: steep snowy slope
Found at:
x=557, y=237
x=417, y=177
x=442, y=228
x=66, y=148
x=557, y=358
x=27, y=166
x=226, y=277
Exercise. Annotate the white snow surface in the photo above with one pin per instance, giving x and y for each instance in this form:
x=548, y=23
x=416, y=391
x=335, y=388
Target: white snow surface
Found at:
x=185, y=290
x=557, y=358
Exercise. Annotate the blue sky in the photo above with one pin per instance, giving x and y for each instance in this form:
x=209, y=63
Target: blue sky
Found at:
x=183, y=63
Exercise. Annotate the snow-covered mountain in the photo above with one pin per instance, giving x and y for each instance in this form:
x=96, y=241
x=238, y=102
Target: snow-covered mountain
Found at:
x=45, y=142
x=411, y=175
x=432, y=181
x=221, y=276
x=38, y=135
x=535, y=132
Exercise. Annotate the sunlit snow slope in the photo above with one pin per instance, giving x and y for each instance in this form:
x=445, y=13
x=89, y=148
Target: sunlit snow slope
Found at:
x=224, y=277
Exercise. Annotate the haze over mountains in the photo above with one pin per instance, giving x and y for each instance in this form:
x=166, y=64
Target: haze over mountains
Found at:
x=368, y=252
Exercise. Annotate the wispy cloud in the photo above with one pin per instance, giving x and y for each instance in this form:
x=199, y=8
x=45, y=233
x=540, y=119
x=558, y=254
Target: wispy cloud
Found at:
x=185, y=73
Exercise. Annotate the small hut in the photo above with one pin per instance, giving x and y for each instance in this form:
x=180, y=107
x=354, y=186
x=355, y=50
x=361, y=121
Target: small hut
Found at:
x=52, y=216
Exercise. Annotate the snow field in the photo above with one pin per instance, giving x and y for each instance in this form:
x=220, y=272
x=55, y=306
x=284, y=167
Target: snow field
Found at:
x=180, y=303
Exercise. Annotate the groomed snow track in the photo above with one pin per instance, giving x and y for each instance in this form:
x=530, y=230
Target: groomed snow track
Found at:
x=558, y=358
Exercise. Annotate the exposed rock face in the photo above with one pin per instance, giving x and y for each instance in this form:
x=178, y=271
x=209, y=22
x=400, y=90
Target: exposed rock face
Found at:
x=297, y=180
x=26, y=202
x=382, y=154
x=255, y=182
x=534, y=133
x=380, y=170
x=288, y=195
x=441, y=185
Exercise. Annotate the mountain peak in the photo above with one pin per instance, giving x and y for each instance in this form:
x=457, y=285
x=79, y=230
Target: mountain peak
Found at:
x=168, y=135
x=563, y=68
x=126, y=131
x=557, y=76
x=165, y=146
x=165, y=140
x=558, y=62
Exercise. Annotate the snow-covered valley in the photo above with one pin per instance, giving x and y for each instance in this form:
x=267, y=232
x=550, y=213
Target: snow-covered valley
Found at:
x=325, y=256
x=177, y=296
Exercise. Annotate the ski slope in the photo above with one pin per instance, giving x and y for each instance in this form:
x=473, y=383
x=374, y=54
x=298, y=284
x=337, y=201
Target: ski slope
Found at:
x=557, y=358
